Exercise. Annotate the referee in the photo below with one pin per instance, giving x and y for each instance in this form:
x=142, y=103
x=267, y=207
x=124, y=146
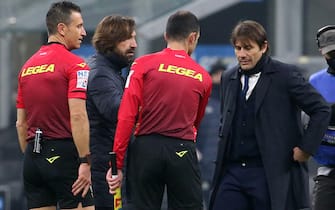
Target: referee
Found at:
x=165, y=97
x=52, y=122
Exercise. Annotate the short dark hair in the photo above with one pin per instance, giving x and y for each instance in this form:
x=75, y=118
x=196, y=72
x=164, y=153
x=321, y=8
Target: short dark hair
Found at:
x=181, y=24
x=60, y=12
x=249, y=30
x=112, y=30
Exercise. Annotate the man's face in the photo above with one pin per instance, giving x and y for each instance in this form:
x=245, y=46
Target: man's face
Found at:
x=127, y=47
x=248, y=53
x=74, y=32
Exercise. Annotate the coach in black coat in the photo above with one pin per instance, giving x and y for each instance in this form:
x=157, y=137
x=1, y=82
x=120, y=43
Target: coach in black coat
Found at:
x=279, y=96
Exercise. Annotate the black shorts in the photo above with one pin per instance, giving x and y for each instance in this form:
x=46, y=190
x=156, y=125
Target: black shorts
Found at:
x=48, y=176
x=156, y=162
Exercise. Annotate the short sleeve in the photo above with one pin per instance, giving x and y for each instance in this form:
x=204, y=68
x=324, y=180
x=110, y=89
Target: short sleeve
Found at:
x=78, y=78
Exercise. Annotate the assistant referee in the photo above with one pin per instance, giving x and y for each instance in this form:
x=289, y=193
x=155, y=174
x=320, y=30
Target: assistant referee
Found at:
x=165, y=97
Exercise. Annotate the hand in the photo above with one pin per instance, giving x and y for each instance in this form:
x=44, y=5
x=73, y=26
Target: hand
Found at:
x=83, y=182
x=114, y=182
x=299, y=155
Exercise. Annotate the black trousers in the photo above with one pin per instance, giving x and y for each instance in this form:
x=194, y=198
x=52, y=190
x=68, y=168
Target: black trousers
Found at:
x=324, y=192
x=243, y=187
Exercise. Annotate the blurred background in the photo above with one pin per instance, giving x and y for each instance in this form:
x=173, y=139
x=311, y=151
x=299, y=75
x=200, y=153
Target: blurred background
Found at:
x=291, y=27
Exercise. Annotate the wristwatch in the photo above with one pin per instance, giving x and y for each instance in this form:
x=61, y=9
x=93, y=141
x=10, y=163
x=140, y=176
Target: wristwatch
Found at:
x=85, y=159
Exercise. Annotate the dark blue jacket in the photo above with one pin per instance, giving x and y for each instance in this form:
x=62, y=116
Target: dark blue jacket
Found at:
x=104, y=92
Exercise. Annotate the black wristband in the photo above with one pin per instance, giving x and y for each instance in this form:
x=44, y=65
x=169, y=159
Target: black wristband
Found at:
x=85, y=159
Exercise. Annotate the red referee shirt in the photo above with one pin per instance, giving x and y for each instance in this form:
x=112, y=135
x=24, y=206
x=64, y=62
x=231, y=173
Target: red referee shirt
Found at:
x=45, y=83
x=166, y=93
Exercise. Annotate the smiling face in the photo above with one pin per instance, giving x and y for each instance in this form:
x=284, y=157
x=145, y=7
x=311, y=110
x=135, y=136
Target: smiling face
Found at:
x=127, y=47
x=74, y=32
x=248, y=53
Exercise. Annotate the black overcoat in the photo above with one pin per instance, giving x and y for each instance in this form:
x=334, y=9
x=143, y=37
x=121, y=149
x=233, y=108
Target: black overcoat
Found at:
x=281, y=93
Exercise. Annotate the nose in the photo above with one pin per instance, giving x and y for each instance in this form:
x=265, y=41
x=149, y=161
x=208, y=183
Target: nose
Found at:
x=83, y=31
x=134, y=43
x=241, y=52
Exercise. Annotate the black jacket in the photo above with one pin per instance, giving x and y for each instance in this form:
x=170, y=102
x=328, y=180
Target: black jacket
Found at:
x=104, y=92
x=281, y=94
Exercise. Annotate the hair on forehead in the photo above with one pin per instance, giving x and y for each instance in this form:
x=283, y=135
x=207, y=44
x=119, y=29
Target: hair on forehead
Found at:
x=112, y=30
x=249, y=31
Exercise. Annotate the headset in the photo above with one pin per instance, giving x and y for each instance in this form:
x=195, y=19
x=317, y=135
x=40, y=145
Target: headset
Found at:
x=321, y=31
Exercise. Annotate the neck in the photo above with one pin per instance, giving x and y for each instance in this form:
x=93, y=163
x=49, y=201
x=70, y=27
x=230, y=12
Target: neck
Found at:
x=174, y=45
x=118, y=60
x=55, y=38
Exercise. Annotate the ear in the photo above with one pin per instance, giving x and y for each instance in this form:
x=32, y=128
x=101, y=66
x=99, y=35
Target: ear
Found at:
x=264, y=46
x=165, y=36
x=192, y=37
x=61, y=28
